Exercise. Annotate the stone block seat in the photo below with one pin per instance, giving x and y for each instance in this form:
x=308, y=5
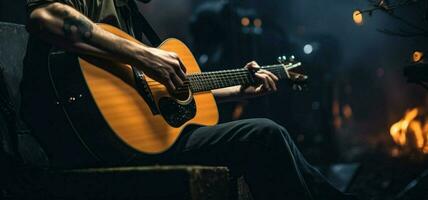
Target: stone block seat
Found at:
x=147, y=182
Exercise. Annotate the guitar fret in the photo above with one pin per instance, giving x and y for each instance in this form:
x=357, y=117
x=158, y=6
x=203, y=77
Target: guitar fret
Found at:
x=207, y=81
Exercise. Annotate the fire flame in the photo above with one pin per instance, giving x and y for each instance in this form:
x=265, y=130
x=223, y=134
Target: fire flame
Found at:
x=411, y=125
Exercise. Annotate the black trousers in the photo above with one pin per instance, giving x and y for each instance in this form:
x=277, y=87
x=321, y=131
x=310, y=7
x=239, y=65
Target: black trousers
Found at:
x=260, y=150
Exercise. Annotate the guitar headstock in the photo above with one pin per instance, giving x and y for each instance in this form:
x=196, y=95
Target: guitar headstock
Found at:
x=298, y=81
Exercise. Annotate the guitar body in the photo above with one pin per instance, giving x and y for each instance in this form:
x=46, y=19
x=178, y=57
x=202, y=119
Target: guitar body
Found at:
x=128, y=113
x=116, y=113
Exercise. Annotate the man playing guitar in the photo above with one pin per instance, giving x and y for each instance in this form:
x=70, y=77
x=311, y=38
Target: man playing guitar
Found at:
x=259, y=149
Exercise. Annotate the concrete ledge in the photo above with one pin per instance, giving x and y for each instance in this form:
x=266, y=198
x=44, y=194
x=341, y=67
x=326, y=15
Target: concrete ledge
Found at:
x=155, y=182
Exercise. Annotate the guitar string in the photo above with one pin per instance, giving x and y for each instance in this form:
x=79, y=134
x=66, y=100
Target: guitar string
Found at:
x=231, y=72
x=185, y=90
x=219, y=76
x=209, y=78
x=213, y=81
x=217, y=81
x=208, y=75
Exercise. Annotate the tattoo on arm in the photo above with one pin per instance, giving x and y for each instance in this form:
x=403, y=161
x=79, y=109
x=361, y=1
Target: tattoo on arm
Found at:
x=77, y=27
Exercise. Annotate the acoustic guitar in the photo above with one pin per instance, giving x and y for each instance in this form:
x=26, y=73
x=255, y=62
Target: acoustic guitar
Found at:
x=116, y=112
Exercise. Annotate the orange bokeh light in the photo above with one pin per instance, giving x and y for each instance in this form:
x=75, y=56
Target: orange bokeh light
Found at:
x=245, y=21
x=357, y=16
x=417, y=56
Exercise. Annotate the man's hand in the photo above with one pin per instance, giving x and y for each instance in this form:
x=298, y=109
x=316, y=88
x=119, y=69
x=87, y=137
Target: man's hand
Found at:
x=164, y=67
x=267, y=85
x=267, y=79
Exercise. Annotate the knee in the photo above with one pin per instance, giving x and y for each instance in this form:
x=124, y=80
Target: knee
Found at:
x=264, y=124
x=269, y=139
x=267, y=129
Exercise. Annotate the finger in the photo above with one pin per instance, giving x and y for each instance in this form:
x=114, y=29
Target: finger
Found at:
x=170, y=86
x=176, y=80
x=180, y=74
x=176, y=69
x=260, y=88
x=181, y=71
x=270, y=74
x=263, y=78
x=178, y=66
x=252, y=65
x=270, y=81
x=270, y=78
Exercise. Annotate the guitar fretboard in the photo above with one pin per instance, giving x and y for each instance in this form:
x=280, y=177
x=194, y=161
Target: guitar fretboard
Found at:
x=207, y=81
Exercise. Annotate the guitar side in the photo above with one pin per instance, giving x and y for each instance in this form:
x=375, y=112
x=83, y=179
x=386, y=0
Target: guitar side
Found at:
x=112, y=86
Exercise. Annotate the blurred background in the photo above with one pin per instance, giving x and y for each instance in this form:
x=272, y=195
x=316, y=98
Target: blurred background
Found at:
x=356, y=93
x=357, y=89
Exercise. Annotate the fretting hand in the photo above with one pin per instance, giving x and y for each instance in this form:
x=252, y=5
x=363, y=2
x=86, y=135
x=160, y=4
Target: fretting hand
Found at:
x=267, y=79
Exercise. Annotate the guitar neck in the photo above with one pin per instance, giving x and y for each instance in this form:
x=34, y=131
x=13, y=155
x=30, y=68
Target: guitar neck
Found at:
x=208, y=81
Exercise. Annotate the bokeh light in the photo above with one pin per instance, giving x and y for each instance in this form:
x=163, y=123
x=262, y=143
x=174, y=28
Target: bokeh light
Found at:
x=258, y=23
x=245, y=21
x=417, y=56
x=308, y=49
x=358, y=17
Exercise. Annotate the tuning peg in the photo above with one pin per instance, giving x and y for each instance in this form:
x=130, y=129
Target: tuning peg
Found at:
x=292, y=58
x=282, y=59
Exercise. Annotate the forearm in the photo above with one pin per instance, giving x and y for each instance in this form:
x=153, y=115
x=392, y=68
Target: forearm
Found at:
x=228, y=94
x=67, y=28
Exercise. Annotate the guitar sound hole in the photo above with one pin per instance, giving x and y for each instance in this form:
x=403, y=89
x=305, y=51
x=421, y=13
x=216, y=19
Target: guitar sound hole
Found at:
x=176, y=114
x=182, y=94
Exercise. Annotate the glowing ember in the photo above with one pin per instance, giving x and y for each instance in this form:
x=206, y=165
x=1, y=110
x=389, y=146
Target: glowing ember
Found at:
x=411, y=127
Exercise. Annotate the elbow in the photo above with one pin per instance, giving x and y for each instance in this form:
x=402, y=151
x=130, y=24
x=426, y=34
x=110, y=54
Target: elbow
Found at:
x=37, y=20
x=41, y=17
